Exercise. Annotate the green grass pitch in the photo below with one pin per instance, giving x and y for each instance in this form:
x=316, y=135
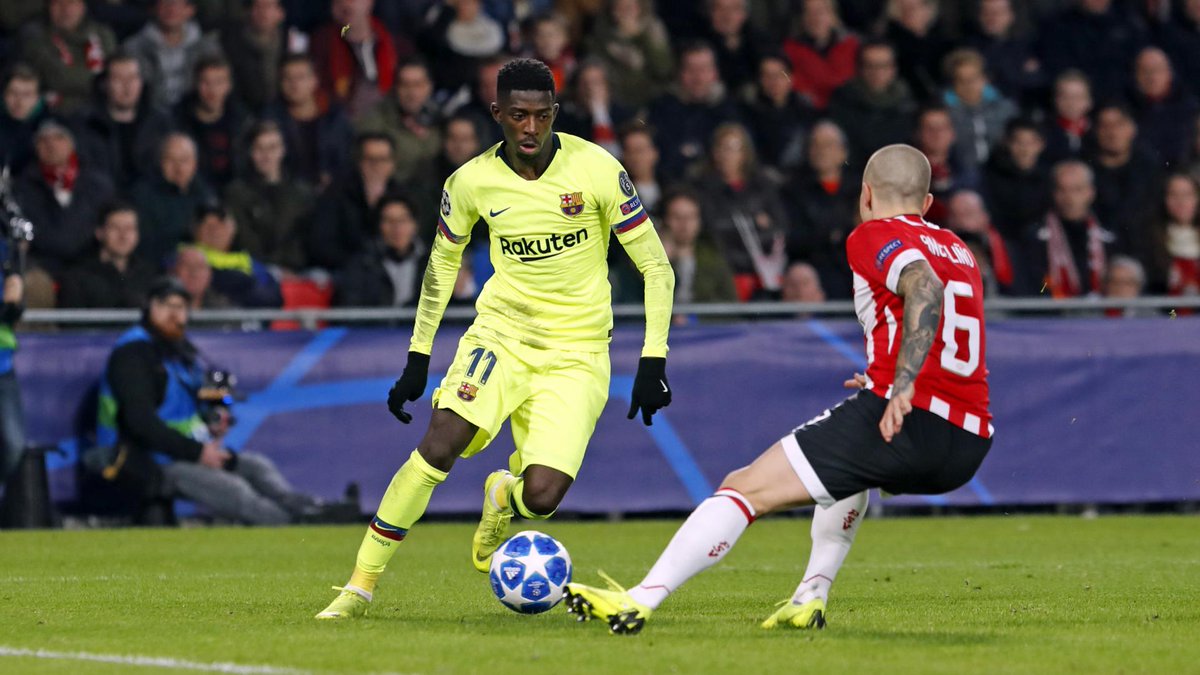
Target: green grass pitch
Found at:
x=936, y=595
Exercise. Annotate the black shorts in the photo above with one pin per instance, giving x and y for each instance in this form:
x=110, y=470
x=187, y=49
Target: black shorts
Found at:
x=841, y=452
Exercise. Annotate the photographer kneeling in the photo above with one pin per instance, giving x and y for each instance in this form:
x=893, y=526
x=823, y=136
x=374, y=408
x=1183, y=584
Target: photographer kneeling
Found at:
x=162, y=432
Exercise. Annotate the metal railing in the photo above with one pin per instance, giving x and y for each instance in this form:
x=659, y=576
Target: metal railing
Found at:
x=312, y=318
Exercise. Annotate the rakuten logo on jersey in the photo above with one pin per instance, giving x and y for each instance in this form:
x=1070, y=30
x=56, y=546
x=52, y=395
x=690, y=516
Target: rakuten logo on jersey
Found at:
x=955, y=253
x=528, y=249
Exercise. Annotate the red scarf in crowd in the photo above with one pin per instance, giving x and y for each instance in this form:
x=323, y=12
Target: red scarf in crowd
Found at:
x=1001, y=263
x=62, y=177
x=93, y=52
x=1076, y=128
x=1062, y=274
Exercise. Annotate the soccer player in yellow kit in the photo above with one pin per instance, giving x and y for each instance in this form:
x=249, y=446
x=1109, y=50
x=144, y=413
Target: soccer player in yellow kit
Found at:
x=538, y=351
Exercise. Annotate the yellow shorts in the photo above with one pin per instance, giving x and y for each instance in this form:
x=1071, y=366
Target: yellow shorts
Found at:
x=553, y=397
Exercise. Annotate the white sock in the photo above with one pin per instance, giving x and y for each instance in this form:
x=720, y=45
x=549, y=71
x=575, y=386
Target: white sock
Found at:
x=701, y=542
x=833, y=531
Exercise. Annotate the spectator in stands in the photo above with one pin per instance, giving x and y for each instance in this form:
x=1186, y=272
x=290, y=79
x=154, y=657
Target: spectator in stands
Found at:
x=738, y=45
x=1069, y=124
x=476, y=101
x=112, y=277
x=1128, y=177
x=590, y=112
x=979, y=111
x=1008, y=52
x=1181, y=40
x=271, y=208
x=640, y=156
x=1096, y=36
x=1192, y=162
x=460, y=142
x=743, y=211
x=967, y=215
x=1016, y=183
x=410, y=117
x=235, y=273
x=802, y=283
x=169, y=47
x=552, y=46
x=167, y=201
x=1067, y=253
x=1173, y=255
x=67, y=50
x=317, y=134
x=685, y=118
x=935, y=137
x=387, y=273
x=215, y=120
x=345, y=218
x=920, y=47
x=12, y=416
x=1165, y=111
x=62, y=196
x=822, y=53
x=255, y=49
x=1124, y=279
x=633, y=43
x=167, y=441
x=193, y=271
x=122, y=130
x=876, y=105
x=456, y=36
x=701, y=273
x=823, y=204
x=23, y=111
x=357, y=68
x=778, y=116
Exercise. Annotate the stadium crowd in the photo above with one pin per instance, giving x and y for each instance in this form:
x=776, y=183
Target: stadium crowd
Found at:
x=288, y=152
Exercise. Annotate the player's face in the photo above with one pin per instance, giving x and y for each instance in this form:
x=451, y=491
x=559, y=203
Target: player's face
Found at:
x=527, y=119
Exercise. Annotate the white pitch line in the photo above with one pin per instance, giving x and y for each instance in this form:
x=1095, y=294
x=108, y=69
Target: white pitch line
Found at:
x=149, y=661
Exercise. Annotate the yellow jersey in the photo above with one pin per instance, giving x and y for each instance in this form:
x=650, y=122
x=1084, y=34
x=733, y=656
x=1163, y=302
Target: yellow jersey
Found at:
x=549, y=243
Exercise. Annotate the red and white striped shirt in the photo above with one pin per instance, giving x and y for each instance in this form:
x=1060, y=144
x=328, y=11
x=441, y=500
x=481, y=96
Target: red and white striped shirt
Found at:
x=953, y=382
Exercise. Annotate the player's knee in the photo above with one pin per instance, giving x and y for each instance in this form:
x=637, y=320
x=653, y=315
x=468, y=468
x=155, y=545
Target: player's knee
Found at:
x=541, y=497
x=440, y=455
x=750, y=485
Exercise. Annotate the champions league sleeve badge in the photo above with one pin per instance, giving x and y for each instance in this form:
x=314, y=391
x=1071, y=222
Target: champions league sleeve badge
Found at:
x=626, y=184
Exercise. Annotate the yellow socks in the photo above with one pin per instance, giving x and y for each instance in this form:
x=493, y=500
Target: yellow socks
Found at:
x=403, y=505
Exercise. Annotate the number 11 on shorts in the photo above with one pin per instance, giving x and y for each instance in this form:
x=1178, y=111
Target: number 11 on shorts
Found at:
x=478, y=355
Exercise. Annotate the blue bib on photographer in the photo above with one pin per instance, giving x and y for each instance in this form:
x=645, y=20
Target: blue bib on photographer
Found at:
x=178, y=408
x=8, y=348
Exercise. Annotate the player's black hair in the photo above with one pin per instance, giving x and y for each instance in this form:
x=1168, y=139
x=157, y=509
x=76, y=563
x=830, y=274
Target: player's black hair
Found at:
x=524, y=75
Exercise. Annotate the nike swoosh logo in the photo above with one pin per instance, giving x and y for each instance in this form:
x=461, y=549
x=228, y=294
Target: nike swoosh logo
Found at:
x=493, y=214
x=664, y=385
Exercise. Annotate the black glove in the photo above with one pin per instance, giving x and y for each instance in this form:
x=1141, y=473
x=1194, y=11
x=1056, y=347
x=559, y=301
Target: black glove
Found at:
x=410, y=386
x=650, y=388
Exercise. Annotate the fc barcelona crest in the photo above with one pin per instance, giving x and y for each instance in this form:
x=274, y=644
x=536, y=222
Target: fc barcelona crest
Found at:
x=467, y=392
x=571, y=203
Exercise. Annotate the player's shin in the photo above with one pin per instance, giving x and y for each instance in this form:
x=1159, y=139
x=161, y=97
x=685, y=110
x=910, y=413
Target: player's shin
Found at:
x=403, y=505
x=701, y=542
x=833, y=531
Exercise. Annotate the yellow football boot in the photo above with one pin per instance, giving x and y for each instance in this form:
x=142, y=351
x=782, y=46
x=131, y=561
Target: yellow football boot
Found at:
x=493, y=523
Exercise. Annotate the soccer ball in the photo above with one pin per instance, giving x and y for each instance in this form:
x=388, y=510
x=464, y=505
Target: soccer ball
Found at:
x=529, y=572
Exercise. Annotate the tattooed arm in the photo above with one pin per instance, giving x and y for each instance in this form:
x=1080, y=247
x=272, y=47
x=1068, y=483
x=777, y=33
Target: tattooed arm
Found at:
x=922, y=293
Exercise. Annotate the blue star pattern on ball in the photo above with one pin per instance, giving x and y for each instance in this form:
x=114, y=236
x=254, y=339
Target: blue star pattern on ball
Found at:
x=529, y=571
